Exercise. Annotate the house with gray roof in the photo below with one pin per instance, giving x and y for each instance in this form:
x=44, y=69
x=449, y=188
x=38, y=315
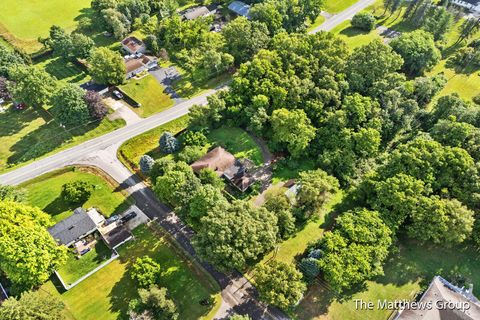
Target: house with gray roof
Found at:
x=76, y=227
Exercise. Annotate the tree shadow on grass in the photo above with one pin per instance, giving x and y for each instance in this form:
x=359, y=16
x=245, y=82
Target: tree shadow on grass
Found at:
x=62, y=69
x=59, y=206
x=352, y=32
x=122, y=293
x=13, y=121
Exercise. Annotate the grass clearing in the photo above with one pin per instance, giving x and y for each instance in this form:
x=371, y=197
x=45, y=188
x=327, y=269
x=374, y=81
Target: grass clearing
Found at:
x=23, y=22
x=408, y=271
x=149, y=93
x=65, y=71
x=336, y=6
x=75, y=267
x=30, y=134
x=238, y=142
x=353, y=37
x=106, y=294
x=45, y=192
x=320, y=19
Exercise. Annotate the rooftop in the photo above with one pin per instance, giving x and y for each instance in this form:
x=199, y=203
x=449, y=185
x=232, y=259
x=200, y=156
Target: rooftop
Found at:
x=439, y=293
x=194, y=13
x=240, y=8
x=132, y=43
x=72, y=228
x=218, y=160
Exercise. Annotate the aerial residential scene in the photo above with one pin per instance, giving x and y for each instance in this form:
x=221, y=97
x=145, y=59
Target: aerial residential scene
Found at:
x=240, y=160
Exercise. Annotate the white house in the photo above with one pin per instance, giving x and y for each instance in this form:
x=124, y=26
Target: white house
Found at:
x=136, y=65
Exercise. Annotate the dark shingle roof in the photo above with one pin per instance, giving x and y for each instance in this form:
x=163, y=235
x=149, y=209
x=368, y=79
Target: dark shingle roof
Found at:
x=73, y=227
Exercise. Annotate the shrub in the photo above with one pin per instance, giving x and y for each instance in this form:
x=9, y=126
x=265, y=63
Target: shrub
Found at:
x=146, y=272
x=146, y=163
x=97, y=108
x=195, y=138
x=190, y=154
x=77, y=191
x=310, y=268
x=476, y=99
x=363, y=21
x=208, y=176
x=168, y=143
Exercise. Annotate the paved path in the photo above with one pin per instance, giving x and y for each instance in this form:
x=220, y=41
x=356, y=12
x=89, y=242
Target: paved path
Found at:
x=122, y=111
x=346, y=14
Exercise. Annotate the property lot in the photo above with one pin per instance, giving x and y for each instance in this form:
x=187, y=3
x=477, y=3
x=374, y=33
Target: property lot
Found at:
x=106, y=294
x=45, y=192
x=25, y=21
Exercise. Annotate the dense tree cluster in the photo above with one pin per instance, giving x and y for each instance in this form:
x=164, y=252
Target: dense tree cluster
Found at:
x=28, y=253
x=153, y=303
x=69, y=46
x=35, y=305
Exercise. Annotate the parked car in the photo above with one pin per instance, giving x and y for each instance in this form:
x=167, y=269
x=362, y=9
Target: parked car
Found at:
x=112, y=219
x=118, y=94
x=129, y=216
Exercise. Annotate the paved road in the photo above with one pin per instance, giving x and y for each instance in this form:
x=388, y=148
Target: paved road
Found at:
x=346, y=14
x=116, y=137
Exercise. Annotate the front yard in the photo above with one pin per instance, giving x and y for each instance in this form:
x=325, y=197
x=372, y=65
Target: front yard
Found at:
x=149, y=93
x=45, y=192
x=106, y=294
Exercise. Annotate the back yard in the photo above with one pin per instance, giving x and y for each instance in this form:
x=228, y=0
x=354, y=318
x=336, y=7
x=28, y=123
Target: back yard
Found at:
x=22, y=22
x=26, y=135
x=45, y=192
x=106, y=294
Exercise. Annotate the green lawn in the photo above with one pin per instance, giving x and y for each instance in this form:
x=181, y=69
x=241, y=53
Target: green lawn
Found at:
x=23, y=22
x=75, y=268
x=106, y=294
x=407, y=272
x=63, y=70
x=149, y=93
x=44, y=192
x=320, y=19
x=237, y=142
x=353, y=37
x=186, y=87
x=27, y=135
x=336, y=6
x=132, y=150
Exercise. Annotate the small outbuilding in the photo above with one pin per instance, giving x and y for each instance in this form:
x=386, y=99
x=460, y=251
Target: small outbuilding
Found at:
x=196, y=12
x=240, y=8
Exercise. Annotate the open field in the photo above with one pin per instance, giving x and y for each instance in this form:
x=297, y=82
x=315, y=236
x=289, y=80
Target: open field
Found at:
x=22, y=22
x=30, y=134
x=335, y=6
x=149, y=93
x=106, y=294
x=75, y=268
x=45, y=192
x=408, y=271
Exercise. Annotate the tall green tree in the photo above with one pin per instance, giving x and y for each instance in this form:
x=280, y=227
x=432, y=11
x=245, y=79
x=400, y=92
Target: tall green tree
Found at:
x=28, y=253
x=418, y=51
x=70, y=105
x=316, y=188
x=34, y=305
x=232, y=235
x=106, y=66
x=31, y=85
x=292, y=128
x=279, y=284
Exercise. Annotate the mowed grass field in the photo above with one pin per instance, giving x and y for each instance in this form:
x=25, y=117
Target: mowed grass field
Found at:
x=106, y=294
x=45, y=192
x=30, y=134
x=149, y=93
x=25, y=21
